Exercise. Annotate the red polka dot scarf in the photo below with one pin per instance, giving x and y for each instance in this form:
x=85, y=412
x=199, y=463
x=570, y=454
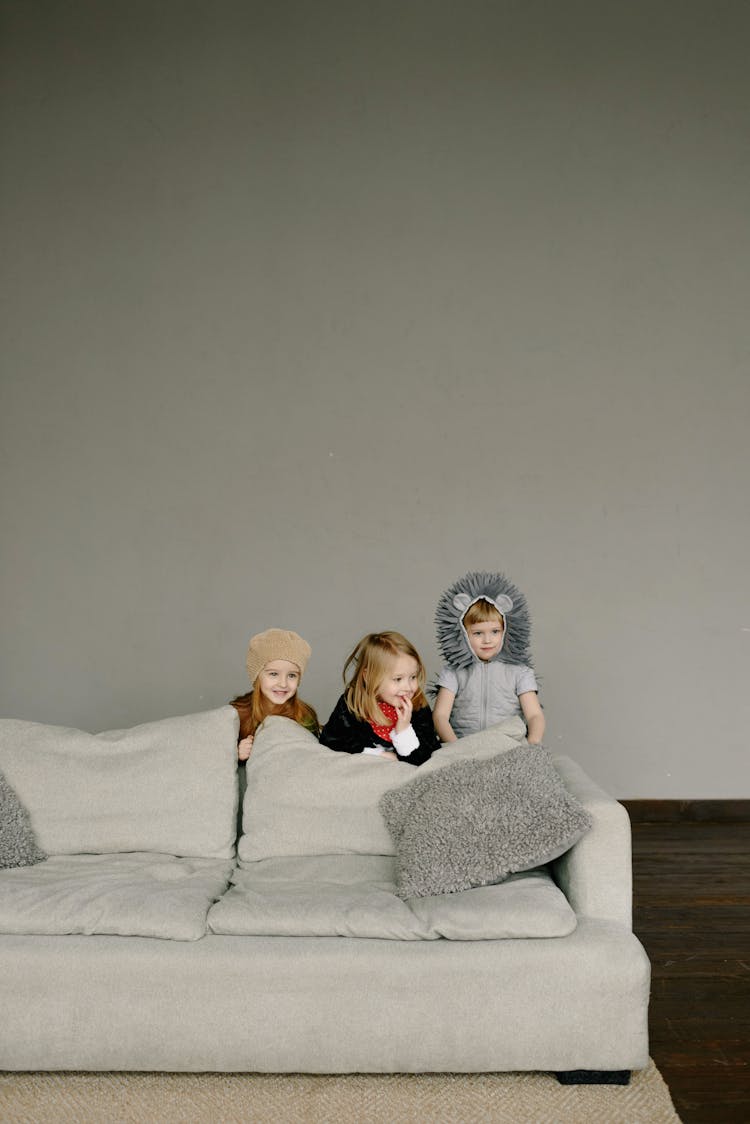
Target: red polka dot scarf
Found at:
x=391, y=714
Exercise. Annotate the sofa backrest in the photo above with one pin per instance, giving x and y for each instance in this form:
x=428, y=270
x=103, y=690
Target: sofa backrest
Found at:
x=168, y=787
x=305, y=799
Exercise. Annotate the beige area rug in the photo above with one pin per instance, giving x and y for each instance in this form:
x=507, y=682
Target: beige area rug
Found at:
x=237, y=1098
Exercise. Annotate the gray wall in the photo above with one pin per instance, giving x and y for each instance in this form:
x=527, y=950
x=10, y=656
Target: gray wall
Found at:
x=309, y=308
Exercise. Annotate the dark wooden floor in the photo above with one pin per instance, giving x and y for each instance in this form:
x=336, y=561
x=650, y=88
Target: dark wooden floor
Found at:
x=692, y=914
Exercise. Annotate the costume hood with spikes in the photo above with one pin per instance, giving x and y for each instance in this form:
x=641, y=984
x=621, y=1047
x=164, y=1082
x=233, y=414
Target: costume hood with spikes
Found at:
x=477, y=585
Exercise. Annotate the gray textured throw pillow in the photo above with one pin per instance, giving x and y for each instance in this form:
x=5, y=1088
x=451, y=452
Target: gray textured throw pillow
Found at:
x=18, y=845
x=475, y=822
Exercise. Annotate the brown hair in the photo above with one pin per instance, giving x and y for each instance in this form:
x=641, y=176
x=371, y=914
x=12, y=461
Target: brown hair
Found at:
x=372, y=658
x=480, y=612
x=254, y=707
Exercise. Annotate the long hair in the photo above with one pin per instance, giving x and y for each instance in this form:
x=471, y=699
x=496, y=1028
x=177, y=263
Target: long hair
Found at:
x=253, y=707
x=372, y=659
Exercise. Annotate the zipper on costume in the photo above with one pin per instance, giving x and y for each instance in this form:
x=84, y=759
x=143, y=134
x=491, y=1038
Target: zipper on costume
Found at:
x=483, y=697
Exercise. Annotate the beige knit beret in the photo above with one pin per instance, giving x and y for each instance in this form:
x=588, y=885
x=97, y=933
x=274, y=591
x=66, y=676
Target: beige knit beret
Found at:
x=276, y=644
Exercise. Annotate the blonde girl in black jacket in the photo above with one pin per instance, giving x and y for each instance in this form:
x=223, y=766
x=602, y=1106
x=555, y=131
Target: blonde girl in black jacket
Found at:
x=383, y=712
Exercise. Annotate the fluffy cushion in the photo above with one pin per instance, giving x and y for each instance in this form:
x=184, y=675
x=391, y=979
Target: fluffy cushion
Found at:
x=18, y=845
x=168, y=787
x=305, y=799
x=476, y=822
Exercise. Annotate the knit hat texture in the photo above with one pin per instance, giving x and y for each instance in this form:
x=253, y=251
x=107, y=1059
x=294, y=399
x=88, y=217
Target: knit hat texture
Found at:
x=276, y=644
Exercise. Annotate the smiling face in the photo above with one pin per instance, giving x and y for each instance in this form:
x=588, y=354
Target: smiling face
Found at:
x=486, y=638
x=278, y=681
x=401, y=680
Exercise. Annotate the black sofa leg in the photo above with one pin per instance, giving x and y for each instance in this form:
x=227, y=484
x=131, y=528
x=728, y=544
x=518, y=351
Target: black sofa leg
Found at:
x=594, y=1077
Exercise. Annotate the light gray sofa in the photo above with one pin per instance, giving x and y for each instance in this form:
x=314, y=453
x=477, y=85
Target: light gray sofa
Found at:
x=145, y=942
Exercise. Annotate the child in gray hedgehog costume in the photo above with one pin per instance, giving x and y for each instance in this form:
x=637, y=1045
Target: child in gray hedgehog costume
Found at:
x=483, y=631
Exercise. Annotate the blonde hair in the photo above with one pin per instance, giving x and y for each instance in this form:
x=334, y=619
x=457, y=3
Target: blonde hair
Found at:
x=253, y=707
x=481, y=611
x=372, y=659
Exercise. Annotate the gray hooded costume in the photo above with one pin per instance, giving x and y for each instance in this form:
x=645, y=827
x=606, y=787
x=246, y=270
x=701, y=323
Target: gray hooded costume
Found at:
x=486, y=692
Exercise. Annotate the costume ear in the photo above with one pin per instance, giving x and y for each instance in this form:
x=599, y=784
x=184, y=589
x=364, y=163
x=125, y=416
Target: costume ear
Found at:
x=461, y=601
x=503, y=603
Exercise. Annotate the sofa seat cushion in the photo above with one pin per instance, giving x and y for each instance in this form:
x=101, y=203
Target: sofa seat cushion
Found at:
x=355, y=896
x=143, y=895
x=168, y=786
x=305, y=799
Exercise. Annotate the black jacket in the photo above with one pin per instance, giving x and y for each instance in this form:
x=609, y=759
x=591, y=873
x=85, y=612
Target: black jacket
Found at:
x=348, y=734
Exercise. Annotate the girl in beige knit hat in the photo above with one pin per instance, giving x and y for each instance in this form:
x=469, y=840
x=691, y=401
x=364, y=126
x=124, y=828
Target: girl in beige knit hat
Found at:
x=276, y=660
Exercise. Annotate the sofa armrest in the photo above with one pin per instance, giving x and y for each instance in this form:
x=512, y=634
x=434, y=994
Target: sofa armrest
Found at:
x=596, y=873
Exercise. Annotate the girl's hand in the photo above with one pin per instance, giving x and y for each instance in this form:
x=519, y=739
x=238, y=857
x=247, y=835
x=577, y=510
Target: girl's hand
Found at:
x=387, y=755
x=403, y=710
x=244, y=748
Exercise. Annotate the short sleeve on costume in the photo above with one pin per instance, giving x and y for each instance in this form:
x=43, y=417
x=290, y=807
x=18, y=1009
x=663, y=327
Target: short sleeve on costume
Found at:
x=448, y=679
x=526, y=680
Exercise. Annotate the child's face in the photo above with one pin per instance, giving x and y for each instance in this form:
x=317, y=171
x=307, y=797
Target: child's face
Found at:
x=486, y=639
x=278, y=681
x=401, y=682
